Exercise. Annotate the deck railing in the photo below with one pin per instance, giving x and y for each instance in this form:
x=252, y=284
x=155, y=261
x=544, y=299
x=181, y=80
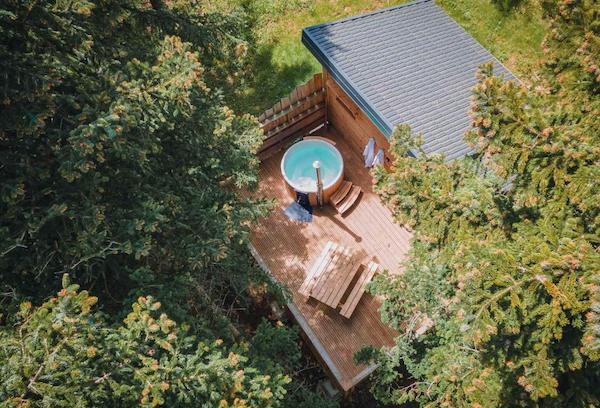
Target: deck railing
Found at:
x=299, y=112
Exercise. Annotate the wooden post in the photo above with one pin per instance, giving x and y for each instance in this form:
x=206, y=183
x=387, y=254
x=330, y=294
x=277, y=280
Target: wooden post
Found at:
x=317, y=167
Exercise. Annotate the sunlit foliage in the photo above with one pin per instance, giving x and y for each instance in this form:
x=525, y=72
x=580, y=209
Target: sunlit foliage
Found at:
x=506, y=258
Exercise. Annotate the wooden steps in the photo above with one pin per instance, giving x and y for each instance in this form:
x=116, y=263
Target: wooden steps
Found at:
x=341, y=193
x=350, y=199
x=345, y=197
x=359, y=289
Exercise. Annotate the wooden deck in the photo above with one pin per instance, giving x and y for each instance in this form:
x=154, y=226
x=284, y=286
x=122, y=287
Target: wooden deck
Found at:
x=287, y=248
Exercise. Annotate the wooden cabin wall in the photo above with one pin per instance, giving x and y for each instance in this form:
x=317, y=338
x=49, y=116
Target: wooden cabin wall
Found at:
x=351, y=122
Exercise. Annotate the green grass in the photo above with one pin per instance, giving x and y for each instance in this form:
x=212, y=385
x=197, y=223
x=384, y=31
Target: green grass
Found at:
x=281, y=61
x=514, y=37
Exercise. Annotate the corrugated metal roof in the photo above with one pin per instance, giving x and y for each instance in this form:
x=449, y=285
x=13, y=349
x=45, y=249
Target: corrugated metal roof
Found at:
x=406, y=64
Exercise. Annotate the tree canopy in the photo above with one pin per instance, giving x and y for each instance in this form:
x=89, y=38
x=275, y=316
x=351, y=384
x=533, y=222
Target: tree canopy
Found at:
x=121, y=165
x=63, y=353
x=505, y=257
x=120, y=161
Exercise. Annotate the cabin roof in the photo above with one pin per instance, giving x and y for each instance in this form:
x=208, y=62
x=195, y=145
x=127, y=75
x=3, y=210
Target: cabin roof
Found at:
x=410, y=64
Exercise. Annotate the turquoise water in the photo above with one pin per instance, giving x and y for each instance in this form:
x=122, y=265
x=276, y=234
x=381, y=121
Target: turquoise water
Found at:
x=298, y=161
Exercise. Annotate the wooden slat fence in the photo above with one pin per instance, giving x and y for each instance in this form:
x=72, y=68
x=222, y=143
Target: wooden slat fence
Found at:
x=299, y=112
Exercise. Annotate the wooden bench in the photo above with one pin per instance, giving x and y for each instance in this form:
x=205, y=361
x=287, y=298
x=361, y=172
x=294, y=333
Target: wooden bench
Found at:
x=359, y=289
x=317, y=268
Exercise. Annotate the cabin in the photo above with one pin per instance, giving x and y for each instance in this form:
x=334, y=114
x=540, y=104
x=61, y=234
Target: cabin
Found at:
x=408, y=64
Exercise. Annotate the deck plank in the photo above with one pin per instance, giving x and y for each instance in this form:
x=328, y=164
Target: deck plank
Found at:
x=317, y=268
x=349, y=201
x=289, y=249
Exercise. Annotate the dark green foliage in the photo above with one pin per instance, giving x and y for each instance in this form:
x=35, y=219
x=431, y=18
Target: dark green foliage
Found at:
x=274, y=348
x=276, y=344
x=594, y=317
x=506, y=254
x=304, y=398
x=119, y=163
x=64, y=354
x=507, y=5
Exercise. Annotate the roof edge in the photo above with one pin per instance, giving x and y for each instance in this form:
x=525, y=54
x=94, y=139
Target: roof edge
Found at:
x=346, y=84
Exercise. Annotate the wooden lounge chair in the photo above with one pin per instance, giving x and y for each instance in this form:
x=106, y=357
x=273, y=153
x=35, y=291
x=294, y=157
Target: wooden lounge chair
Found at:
x=359, y=289
x=345, y=197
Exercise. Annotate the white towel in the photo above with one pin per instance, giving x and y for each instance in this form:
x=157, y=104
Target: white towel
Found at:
x=378, y=160
x=369, y=152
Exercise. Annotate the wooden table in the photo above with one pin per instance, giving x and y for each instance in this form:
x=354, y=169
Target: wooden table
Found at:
x=331, y=274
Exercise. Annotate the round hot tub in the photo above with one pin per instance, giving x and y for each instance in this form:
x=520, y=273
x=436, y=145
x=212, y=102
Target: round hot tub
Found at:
x=300, y=175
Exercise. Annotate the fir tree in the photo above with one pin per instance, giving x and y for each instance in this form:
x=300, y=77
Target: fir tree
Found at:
x=506, y=257
x=120, y=164
x=65, y=354
x=119, y=159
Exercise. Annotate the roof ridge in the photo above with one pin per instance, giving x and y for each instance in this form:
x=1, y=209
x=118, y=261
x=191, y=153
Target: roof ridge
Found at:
x=370, y=13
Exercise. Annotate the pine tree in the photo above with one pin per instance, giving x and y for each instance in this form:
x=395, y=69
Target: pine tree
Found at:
x=120, y=164
x=505, y=257
x=120, y=160
x=64, y=353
